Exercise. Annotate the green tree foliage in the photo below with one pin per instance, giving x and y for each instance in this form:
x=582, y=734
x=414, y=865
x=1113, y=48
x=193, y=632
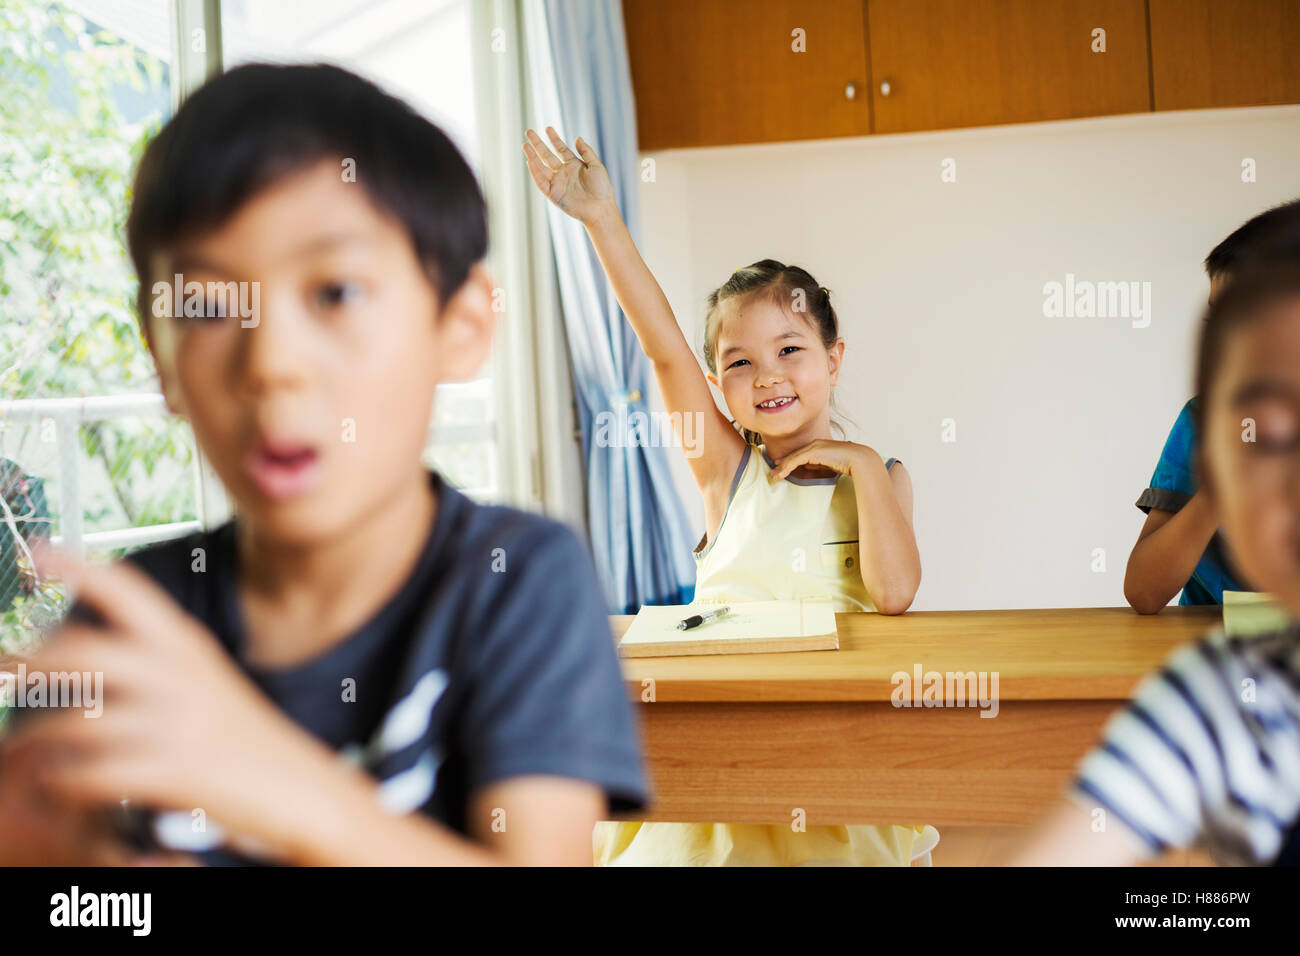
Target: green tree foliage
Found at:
x=67, y=289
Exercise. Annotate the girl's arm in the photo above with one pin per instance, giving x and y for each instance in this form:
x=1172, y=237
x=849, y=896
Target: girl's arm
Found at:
x=581, y=188
x=891, y=562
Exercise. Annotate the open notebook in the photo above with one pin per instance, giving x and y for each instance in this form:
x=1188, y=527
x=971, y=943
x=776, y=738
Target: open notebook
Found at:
x=752, y=627
x=1247, y=613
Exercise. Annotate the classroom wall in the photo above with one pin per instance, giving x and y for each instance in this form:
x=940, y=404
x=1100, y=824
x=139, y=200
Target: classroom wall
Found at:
x=940, y=291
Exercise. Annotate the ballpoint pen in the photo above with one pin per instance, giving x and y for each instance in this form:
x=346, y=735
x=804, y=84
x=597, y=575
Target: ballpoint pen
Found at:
x=696, y=620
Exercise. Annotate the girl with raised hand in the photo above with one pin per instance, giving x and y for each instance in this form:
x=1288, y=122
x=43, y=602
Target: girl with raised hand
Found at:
x=790, y=512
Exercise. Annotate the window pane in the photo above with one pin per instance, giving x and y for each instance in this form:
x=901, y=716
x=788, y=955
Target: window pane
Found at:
x=82, y=87
x=418, y=50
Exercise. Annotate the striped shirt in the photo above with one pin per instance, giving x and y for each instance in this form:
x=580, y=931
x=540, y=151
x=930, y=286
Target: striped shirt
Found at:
x=1208, y=751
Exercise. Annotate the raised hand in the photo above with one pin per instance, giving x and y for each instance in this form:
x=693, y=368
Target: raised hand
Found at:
x=579, y=185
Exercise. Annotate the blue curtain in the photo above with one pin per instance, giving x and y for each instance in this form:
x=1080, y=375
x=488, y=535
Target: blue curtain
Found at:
x=640, y=536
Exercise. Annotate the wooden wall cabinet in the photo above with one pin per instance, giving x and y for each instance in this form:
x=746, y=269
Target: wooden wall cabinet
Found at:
x=941, y=64
x=1208, y=53
x=715, y=72
x=721, y=72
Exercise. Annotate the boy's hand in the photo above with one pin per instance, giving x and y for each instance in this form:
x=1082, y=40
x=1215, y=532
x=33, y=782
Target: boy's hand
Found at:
x=36, y=831
x=579, y=186
x=181, y=728
x=832, y=456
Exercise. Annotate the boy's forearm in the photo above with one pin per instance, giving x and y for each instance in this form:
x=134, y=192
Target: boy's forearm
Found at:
x=1067, y=837
x=339, y=821
x=636, y=288
x=1162, y=562
x=374, y=837
x=315, y=809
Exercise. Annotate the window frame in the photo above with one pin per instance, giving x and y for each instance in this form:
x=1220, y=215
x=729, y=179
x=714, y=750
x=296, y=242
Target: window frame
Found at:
x=517, y=420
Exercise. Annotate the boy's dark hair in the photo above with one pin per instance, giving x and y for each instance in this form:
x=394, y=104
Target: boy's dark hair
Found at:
x=1264, y=280
x=1281, y=224
x=784, y=285
x=245, y=129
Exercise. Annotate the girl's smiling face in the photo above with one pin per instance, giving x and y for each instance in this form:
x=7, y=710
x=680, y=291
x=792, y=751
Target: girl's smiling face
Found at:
x=774, y=371
x=1254, y=478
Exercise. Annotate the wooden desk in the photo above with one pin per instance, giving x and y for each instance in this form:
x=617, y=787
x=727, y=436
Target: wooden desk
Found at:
x=747, y=738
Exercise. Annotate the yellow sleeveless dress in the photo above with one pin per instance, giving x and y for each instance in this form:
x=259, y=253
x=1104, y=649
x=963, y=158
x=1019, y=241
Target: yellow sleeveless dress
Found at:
x=778, y=540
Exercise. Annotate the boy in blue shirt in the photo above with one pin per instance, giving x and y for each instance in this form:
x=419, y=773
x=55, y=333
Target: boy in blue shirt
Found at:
x=1207, y=752
x=1180, y=545
x=365, y=666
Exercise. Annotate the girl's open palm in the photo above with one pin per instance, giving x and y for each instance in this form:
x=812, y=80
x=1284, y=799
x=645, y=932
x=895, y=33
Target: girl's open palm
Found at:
x=579, y=185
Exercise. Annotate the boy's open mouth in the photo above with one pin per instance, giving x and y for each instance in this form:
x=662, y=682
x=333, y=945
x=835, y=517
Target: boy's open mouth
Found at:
x=283, y=468
x=778, y=404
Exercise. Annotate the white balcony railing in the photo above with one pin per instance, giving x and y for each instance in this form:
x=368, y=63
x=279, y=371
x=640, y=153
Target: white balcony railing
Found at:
x=68, y=414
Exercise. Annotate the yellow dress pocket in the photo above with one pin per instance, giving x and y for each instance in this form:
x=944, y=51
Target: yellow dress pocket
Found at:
x=840, y=558
x=842, y=567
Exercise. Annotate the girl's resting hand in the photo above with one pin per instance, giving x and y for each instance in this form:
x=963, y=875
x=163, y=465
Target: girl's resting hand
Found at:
x=579, y=186
x=837, y=456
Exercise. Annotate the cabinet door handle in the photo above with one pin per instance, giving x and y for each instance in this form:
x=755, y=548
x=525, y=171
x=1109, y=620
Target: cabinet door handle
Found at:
x=851, y=90
x=885, y=88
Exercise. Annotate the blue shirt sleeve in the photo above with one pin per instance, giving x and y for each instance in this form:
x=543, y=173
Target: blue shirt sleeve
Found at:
x=548, y=692
x=1172, y=486
x=1174, y=480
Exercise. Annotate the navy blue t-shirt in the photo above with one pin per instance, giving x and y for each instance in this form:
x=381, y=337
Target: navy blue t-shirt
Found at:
x=495, y=659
